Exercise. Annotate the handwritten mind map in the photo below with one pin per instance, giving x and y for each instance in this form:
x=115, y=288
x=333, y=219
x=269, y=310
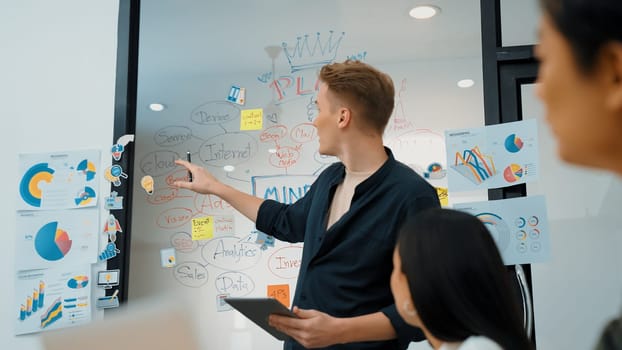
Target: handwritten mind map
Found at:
x=227, y=254
x=224, y=256
x=271, y=153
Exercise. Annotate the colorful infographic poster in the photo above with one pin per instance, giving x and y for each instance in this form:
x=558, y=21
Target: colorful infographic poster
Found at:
x=48, y=239
x=493, y=156
x=518, y=225
x=58, y=180
x=51, y=299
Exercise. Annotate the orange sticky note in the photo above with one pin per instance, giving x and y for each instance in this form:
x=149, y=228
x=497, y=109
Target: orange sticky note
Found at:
x=251, y=119
x=279, y=292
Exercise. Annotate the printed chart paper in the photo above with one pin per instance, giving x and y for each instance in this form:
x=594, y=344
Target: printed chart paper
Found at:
x=51, y=299
x=518, y=225
x=56, y=238
x=62, y=180
x=492, y=156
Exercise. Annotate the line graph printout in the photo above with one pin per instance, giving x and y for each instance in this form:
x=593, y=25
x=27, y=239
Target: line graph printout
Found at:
x=492, y=156
x=51, y=298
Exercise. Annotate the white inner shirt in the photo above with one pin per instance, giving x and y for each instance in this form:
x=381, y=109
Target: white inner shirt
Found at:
x=344, y=193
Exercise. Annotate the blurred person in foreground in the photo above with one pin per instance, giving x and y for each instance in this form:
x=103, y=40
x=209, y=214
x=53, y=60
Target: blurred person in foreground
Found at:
x=580, y=84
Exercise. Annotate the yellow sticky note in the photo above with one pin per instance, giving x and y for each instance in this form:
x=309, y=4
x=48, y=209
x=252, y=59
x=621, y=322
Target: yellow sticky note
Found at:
x=202, y=228
x=251, y=119
x=442, y=196
x=279, y=292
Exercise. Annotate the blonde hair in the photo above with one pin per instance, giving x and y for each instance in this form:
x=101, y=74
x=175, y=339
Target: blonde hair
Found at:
x=369, y=91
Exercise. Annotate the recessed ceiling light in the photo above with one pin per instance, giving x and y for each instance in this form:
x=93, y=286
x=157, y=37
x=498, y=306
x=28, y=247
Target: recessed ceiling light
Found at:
x=424, y=11
x=228, y=168
x=466, y=83
x=157, y=107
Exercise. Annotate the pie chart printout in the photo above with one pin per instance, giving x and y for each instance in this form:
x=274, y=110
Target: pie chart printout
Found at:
x=29, y=185
x=52, y=243
x=78, y=282
x=513, y=173
x=513, y=143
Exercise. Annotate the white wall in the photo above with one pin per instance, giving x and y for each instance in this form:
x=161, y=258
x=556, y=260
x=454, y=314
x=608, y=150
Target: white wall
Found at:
x=57, y=69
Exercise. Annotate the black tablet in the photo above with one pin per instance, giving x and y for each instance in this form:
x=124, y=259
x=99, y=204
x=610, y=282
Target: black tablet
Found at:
x=258, y=310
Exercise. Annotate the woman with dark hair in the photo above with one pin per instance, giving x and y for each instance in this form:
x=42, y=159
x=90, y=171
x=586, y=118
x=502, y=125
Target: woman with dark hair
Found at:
x=580, y=83
x=449, y=280
x=580, y=79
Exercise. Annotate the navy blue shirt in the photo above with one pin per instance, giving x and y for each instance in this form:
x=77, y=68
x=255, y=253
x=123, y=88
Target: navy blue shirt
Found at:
x=345, y=270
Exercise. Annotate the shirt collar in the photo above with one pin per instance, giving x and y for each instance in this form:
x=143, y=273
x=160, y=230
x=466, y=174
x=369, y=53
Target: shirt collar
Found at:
x=379, y=175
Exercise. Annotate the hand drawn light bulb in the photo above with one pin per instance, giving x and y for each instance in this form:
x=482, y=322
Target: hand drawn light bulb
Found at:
x=147, y=183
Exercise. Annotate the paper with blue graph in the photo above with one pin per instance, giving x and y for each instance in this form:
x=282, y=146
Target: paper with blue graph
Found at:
x=47, y=239
x=492, y=156
x=518, y=225
x=61, y=180
x=51, y=298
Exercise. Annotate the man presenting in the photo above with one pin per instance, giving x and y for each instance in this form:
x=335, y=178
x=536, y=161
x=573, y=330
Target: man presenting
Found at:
x=348, y=220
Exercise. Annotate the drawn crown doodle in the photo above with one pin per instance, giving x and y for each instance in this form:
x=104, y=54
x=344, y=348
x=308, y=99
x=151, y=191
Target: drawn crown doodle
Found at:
x=311, y=53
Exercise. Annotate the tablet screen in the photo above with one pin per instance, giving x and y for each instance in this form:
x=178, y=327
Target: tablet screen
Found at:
x=258, y=310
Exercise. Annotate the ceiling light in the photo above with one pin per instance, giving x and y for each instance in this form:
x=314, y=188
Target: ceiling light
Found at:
x=466, y=83
x=424, y=11
x=157, y=107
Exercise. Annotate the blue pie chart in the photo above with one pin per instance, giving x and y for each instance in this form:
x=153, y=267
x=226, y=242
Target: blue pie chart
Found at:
x=513, y=143
x=52, y=243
